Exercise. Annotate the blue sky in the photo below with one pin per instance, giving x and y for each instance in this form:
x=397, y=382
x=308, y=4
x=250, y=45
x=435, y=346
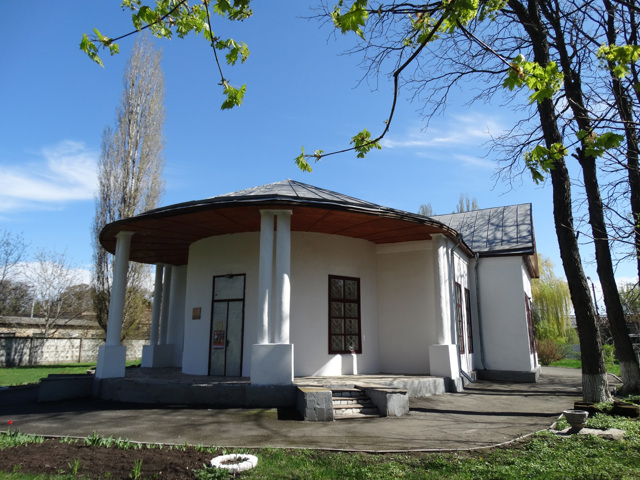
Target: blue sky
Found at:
x=302, y=90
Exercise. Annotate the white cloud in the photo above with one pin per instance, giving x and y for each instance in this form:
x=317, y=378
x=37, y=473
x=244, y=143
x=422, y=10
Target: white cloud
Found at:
x=471, y=130
x=65, y=172
x=472, y=161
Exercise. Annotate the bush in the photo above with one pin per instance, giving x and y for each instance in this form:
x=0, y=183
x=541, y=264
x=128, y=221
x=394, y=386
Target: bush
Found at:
x=572, y=336
x=549, y=351
x=608, y=352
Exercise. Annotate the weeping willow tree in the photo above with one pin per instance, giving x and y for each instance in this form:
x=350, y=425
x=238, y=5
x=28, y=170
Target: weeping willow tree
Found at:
x=551, y=302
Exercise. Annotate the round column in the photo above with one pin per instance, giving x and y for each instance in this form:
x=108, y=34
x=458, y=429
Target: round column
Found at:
x=283, y=272
x=164, y=312
x=265, y=275
x=157, y=302
x=119, y=288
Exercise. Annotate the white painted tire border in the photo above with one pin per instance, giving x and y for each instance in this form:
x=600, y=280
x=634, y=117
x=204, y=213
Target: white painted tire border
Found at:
x=243, y=461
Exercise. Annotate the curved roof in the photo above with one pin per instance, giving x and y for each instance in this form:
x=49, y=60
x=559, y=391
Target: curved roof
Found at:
x=164, y=235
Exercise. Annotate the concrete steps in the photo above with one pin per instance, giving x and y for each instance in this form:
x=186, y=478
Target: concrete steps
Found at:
x=352, y=403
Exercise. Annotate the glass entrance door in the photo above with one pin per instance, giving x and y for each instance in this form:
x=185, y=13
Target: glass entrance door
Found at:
x=227, y=325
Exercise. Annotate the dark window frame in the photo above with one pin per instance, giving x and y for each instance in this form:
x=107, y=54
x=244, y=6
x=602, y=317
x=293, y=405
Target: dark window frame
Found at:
x=467, y=301
x=344, y=317
x=459, y=317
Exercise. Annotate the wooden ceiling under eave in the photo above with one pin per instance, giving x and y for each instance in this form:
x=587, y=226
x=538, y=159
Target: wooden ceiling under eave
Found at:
x=165, y=237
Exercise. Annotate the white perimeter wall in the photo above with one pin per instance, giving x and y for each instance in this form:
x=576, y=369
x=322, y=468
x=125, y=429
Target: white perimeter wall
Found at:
x=406, y=306
x=503, y=283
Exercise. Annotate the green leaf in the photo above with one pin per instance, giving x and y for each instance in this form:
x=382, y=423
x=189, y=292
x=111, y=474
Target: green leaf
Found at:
x=238, y=10
x=489, y=8
x=301, y=162
x=544, y=82
x=352, y=19
x=363, y=144
x=90, y=49
x=596, y=145
x=619, y=58
x=541, y=160
x=234, y=96
x=459, y=12
x=235, y=49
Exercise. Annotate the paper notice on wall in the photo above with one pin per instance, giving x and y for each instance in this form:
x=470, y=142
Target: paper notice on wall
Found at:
x=218, y=339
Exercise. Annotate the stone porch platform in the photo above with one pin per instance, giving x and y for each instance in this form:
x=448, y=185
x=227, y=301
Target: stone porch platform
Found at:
x=169, y=386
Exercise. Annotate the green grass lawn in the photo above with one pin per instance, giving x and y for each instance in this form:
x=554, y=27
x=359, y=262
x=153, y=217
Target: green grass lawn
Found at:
x=26, y=375
x=575, y=363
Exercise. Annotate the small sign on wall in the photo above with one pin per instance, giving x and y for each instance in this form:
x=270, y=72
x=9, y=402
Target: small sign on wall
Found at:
x=195, y=315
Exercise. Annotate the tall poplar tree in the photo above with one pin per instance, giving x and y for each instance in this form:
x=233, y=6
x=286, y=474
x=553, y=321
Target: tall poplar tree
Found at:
x=130, y=174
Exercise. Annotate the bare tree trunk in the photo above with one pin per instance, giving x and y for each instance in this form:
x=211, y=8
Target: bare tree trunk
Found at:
x=615, y=312
x=594, y=374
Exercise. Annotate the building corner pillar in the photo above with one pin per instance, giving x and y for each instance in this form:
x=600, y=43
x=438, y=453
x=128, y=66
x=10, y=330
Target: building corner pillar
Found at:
x=443, y=355
x=112, y=356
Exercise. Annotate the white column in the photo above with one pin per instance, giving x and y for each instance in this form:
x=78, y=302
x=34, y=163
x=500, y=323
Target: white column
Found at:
x=272, y=363
x=157, y=302
x=164, y=312
x=265, y=275
x=441, y=267
x=112, y=356
x=443, y=357
x=119, y=288
x=283, y=272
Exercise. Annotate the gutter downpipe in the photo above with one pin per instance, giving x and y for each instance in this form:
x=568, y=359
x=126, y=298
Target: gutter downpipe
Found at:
x=453, y=306
x=480, y=333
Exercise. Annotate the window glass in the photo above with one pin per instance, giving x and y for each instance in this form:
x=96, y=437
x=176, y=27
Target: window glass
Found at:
x=344, y=315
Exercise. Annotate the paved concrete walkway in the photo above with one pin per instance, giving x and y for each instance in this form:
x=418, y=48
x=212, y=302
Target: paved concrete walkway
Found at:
x=486, y=414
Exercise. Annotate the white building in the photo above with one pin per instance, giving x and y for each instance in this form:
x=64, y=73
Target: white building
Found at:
x=289, y=280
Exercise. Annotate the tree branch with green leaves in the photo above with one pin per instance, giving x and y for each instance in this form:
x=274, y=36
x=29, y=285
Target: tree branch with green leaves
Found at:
x=426, y=26
x=180, y=17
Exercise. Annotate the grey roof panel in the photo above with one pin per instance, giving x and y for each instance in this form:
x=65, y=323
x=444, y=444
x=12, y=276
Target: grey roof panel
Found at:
x=294, y=189
x=495, y=230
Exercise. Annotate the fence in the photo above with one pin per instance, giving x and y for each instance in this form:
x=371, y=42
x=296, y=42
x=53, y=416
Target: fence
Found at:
x=22, y=351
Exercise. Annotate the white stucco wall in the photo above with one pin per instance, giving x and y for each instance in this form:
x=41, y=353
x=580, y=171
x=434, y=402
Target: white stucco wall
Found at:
x=221, y=255
x=405, y=306
x=503, y=283
x=399, y=308
x=313, y=258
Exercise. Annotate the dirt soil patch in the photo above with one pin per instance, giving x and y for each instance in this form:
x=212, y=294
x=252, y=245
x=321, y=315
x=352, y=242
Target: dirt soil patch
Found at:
x=54, y=457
